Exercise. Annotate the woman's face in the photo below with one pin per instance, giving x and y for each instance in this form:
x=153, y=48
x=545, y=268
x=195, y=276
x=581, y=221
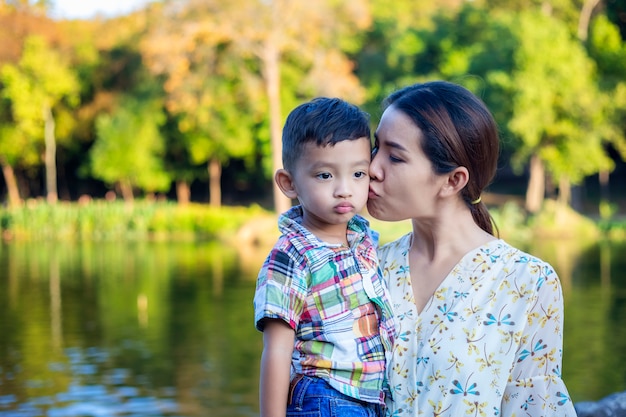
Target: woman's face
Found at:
x=403, y=184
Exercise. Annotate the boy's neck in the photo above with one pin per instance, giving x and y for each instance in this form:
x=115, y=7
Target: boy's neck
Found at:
x=329, y=233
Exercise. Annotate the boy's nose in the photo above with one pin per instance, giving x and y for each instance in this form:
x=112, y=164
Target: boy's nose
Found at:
x=343, y=189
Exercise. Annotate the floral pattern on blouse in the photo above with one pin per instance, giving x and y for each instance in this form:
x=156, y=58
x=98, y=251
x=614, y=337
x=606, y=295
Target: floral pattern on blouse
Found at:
x=487, y=343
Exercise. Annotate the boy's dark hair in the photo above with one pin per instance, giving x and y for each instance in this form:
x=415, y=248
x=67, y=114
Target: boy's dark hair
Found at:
x=324, y=121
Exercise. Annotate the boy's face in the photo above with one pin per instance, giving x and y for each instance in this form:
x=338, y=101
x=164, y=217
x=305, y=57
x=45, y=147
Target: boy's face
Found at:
x=332, y=182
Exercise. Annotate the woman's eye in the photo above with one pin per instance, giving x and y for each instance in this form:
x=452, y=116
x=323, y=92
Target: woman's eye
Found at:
x=374, y=151
x=394, y=159
x=323, y=176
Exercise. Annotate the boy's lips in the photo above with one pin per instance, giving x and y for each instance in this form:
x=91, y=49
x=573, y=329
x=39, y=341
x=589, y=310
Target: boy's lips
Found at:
x=344, y=208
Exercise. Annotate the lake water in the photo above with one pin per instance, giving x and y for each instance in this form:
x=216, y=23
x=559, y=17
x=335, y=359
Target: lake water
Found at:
x=166, y=329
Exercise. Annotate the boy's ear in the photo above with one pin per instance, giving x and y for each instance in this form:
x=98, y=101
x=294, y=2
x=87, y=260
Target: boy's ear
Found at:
x=284, y=180
x=456, y=180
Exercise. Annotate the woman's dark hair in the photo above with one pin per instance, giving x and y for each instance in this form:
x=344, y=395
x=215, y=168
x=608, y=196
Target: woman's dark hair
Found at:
x=458, y=130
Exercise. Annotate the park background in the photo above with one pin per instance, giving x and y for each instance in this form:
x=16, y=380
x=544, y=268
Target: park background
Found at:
x=137, y=155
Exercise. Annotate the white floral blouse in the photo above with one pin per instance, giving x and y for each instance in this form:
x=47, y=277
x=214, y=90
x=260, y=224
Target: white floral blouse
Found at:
x=488, y=343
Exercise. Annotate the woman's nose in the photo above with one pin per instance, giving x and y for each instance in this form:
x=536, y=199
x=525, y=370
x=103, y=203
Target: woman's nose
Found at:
x=374, y=170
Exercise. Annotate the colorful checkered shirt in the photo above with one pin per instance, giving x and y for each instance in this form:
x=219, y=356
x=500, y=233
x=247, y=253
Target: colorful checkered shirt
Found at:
x=335, y=300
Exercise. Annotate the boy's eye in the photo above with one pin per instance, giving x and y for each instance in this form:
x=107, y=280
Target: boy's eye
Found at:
x=323, y=176
x=360, y=174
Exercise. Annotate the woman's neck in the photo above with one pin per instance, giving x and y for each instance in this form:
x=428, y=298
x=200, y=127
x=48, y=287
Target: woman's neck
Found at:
x=446, y=237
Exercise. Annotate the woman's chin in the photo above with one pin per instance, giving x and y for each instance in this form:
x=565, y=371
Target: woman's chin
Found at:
x=375, y=211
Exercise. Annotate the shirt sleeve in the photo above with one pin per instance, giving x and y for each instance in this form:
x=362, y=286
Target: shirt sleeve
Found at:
x=536, y=387
x=281, y=288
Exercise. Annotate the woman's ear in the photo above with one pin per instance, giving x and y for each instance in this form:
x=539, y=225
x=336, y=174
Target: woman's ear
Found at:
x=285, y=182
x=456, y=180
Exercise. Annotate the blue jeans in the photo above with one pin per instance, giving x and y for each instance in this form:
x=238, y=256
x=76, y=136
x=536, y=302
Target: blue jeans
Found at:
x=314, y=397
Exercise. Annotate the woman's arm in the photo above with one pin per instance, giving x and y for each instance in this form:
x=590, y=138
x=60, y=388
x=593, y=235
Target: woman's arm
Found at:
x=278, y=339
x=536, y=387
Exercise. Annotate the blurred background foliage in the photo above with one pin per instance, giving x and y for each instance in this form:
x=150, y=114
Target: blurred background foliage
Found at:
x=183, y=101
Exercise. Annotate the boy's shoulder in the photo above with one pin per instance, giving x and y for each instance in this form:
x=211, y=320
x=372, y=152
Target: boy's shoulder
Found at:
x=294, y=243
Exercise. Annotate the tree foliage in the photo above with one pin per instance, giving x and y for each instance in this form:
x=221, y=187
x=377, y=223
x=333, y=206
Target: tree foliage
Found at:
x=129, y=149
x=210, y=90
x=608, y=50
x=534, y=74
x=224, y=74
x=40, y=79
x=39, y=83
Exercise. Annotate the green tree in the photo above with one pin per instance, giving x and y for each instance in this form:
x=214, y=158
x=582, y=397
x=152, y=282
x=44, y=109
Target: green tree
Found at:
x=387, y=59
x=281, y=30
x=129, y=148
x=112, y=73
x=211, y=49
x=536, y=76
x=608, y=49
x=615, y=10
x=40, y=82
x=15, y=150
x=211, y=94
x=558, y=111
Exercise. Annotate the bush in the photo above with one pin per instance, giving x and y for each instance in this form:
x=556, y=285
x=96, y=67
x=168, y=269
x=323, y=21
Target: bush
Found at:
x=104, y=220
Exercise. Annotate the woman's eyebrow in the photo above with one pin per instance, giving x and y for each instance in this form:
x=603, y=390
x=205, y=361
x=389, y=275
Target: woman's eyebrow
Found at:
x=395, y=145
x=390, y=143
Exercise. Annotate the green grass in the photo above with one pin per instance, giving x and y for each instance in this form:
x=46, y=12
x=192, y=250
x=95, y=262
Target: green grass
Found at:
x=101, y=220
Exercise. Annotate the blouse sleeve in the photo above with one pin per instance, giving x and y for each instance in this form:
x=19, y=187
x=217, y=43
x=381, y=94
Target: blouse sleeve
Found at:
x=535, y=386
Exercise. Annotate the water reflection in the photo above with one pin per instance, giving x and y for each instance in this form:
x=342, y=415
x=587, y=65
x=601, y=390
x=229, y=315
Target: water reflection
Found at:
x=126, y=329
x=166, y=329
x=596, y=313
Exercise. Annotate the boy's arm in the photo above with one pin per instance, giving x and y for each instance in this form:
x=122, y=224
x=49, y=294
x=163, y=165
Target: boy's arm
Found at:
x=278, y=339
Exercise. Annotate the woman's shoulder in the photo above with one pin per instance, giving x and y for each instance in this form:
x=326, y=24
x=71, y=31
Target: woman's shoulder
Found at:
x=513, y=254
x=520, y=264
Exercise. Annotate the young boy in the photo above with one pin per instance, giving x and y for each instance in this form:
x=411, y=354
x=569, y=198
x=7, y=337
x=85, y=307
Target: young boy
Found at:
x=320, y=301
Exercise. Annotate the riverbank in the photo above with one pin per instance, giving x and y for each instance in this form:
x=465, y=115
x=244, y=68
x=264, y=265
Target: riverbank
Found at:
x=101, y=220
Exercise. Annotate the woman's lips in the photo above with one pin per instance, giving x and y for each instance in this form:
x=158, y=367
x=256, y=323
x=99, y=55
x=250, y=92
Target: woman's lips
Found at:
x=372, y=194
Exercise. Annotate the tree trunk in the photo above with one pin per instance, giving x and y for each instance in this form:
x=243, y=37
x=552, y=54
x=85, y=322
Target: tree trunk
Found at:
x=50, y=156
x=585, y=18
x=564, y=198
x=127, y=191
x=604, y=206
x=536, y=185
x=215, y=178
x=11, y=183
x=565, y=191
x=271, y=73
x=183, y=192
x=603, y=179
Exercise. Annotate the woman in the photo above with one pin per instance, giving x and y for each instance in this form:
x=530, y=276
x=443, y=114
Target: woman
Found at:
x=479, y=323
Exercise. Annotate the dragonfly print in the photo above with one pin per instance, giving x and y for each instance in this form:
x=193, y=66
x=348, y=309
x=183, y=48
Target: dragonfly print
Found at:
x=539, y=345
x=501, y=320
x=446, y=311
x=467, y=389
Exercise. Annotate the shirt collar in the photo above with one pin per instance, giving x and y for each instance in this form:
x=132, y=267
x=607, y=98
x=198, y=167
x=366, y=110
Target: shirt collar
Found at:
x=291, y=222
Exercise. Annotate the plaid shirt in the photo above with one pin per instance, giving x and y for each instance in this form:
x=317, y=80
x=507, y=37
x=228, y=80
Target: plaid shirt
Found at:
x=335, y=300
